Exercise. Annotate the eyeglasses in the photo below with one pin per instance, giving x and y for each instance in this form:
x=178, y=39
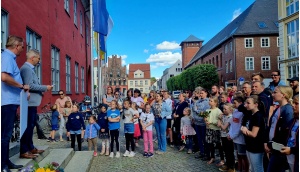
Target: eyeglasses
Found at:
x=61, y=94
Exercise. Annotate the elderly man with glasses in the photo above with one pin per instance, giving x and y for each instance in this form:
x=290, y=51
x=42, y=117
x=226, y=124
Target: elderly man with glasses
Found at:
x=276, y=80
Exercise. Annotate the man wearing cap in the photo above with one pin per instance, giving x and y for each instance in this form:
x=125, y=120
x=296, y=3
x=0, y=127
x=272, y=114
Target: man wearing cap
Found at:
x=294, y=83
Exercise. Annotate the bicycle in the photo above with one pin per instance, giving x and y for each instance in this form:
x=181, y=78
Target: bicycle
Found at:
x=45, y=119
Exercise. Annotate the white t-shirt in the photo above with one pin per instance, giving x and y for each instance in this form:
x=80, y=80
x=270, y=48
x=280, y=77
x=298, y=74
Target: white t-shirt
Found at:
x=146, y=118
x=128, y=113
x=135, y=121
x=169, y=103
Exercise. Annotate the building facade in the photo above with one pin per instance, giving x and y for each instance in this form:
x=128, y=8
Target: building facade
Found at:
x=60, y=30
x=174, y=70
x=115, y=75
x=288, y=16
x=247, y=45
x=139, y=77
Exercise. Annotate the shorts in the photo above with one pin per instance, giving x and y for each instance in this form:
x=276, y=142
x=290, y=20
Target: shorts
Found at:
x=169, y=123
x=129, y=128
x=241, y=149
x=55, y=127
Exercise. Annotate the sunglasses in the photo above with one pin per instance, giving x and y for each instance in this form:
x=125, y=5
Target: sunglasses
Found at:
x=61, y=94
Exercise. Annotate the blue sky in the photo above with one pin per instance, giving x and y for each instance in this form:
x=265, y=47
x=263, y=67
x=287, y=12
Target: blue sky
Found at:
x=150, y=31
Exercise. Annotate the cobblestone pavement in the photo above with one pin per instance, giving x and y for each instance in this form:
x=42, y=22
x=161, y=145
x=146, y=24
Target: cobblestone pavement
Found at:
x=171, y=161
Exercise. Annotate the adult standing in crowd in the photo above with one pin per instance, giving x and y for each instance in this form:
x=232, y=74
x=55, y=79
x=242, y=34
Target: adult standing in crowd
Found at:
x=11, y=85
x=215, y=91
x=161, y=110
x=276, y=80
x=109, y=96
x=246, y=89
x=151, y=98
x=279, y=128
x=178, y=114
x=260, y=77
x=30, y=78
x=201, y=104
x=61, y=101
x=168, y=101
x=294, y=83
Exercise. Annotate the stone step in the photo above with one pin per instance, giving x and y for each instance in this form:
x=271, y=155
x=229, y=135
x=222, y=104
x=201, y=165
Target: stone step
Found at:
x=61, y=156
x=14, y=148
x=81, y=161
x=25, y=162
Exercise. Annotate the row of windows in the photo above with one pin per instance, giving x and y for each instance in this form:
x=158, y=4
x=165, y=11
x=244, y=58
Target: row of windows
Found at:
x=55, y=72
x=115, y=82
x=141, y=89
x=265, y=63
x=212, y=61
x=139, y=83
x=67, y=8
x=178, y=69
x=264, y=42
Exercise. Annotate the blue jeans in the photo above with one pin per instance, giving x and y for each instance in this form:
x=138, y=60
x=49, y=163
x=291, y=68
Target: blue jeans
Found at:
x=26, y=143
x=8, y=117
x=189, y=142
x=161, y=127
x=200, y=132
x=256, y=161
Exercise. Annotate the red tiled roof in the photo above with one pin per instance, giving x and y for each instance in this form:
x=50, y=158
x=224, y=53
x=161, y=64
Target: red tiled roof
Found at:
x=145, y=67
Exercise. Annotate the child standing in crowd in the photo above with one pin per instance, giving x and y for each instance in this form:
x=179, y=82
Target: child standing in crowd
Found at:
x=54, y=122
x=129, y=128
x=227, y=145
x=114, y=125
x=147, y=120
x=74, y=126
x=103, y=134
x=186, y=129
x=253, y=129
x=66, y=112
x=91, y=134
x=137, y=131
x=237, y=136
x=212, y=131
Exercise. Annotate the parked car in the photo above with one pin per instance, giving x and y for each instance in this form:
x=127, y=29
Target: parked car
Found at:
x=175, y=94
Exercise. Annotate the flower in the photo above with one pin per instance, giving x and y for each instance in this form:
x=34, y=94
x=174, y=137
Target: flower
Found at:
x=50, y=167
x=40, y=170
x=204, y=114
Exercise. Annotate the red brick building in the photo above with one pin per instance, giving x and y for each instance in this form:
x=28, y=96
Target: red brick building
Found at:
x=115, y=74
x=139, y=77
x=246, y=45
x=60, y=30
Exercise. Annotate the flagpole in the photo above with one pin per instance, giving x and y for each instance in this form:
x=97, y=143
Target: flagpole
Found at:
x=92, y=58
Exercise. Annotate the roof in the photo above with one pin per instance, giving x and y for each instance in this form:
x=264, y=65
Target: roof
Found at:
x=145, y=67
x=247, y=23
x=192, y=38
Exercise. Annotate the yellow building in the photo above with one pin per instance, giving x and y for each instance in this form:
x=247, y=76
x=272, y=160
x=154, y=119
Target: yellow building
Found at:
x=288, y=21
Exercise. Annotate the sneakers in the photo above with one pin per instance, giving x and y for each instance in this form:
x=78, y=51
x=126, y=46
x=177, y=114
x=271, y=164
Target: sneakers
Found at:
x=150, y=155
x=95, y=153
x=111, y=155
x=145, y=154
x=107, y=152
x=68, y=138
x=118, y=155
x=181, y=148
x=190, y=151
x=61, y=140
x=131, y=154
x=53, y=140
x=137, y=145
x=82, y=140
x=126, y=153
x=49, y=139
x=160, y=152
x=171, y=144
x=224, y=168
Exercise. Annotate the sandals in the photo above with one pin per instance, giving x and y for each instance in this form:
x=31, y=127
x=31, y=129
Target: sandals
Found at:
x=220, y=164
x=211, y=161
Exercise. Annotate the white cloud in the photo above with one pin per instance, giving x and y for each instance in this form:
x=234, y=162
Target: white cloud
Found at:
x=166, y=45
x=163, y=59
x=146, y=51
x=236, y=13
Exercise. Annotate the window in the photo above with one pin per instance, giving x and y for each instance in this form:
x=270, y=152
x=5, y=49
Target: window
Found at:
x=67, y=5
x=277, y=41
x=265, y=63
x=68, y=74
x=76, y=77
x=81, y=22
x=115, y=82
x=146, y=82
x=262, y=25
x=131, y=83
x=75, y=12
x=135, y=83
x=4, y=29
x=33, y=41
x=230, y=65
x=278, y=62
x=292, y=6
x=230, y=45
x=249, y=63
x=141, y=83
x=55, y=68
x=265, y=42
x=226, y=48
x=293, y=38
x=226, y=66
x=82, y=80
x=217, y=61
x=249, y=43
x=221, y=62
x=87, y=34
x=142, y=90
x=293, y=70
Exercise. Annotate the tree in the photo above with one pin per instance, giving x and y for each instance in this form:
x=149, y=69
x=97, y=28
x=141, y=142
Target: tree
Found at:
x=153, y=79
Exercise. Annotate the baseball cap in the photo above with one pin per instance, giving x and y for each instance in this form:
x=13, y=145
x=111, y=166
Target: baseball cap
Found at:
x=293, y=79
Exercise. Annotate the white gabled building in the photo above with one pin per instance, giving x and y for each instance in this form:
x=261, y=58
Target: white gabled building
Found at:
x=174, y=70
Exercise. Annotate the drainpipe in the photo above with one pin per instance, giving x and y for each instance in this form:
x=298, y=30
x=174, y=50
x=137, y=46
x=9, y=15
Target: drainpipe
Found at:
x=234, y=58
x=86, y=52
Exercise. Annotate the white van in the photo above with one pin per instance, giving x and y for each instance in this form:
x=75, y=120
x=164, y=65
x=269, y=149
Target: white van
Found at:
x=175, y=94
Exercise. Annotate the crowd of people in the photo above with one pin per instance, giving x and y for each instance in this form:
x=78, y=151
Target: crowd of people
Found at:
x=255, y=127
